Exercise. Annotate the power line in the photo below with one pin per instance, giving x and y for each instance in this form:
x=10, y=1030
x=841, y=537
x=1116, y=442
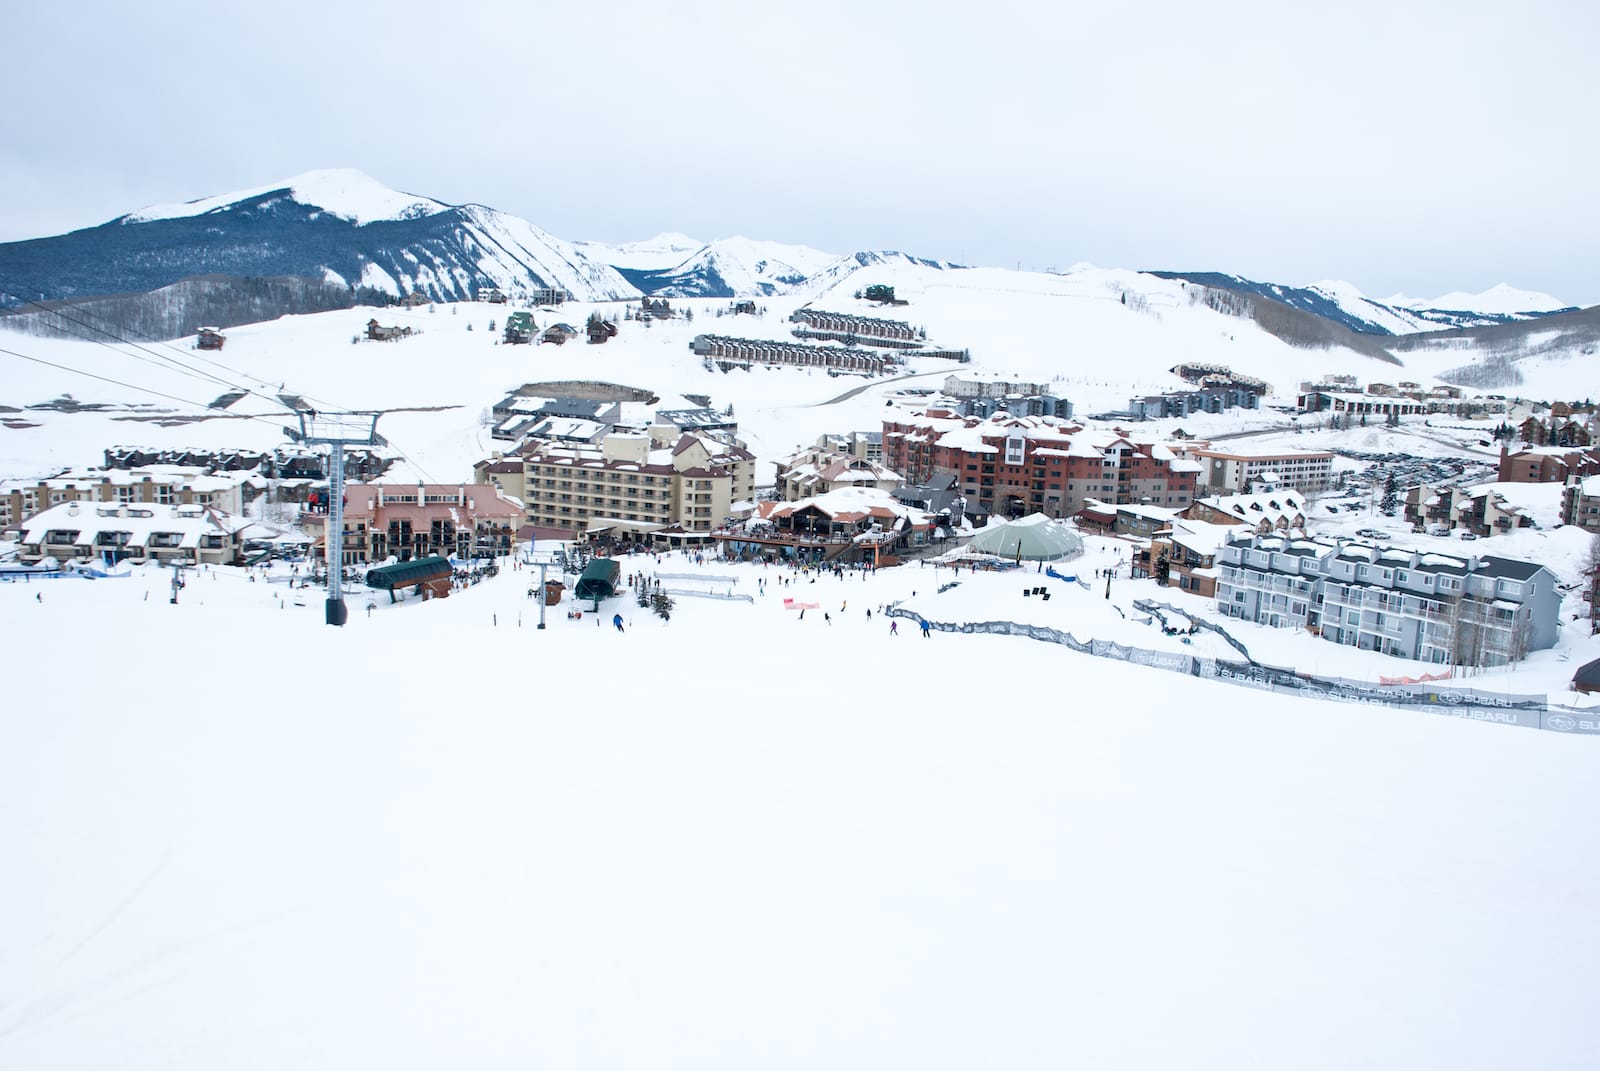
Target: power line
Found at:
x=121, y=383
x=193, y=372
x=180, y=366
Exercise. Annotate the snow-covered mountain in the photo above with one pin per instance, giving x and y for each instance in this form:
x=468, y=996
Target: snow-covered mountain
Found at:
x=1343, y=303
x=338, y=226
x=1499, y=300
x=328, y=239
x=664, y=251
x=729, y=267
x=342, y=192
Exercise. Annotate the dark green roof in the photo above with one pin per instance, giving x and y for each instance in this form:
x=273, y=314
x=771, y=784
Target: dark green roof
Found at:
x=404, y=574
x=599, y=580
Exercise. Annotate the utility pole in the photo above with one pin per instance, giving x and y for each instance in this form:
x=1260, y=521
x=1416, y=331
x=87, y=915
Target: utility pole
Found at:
x=336, y=431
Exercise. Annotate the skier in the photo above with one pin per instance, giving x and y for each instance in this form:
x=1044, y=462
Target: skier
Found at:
x=616, y=619
x=926, y=628
x=894, y=628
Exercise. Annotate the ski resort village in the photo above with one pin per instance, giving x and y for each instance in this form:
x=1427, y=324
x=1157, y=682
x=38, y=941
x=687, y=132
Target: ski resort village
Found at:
x=621, y=655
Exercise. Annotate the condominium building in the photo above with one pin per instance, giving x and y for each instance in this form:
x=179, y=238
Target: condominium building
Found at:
x=650, y=486
x=1306, y=471
x=1580, y=502
x=134, y=532
x=414, y=520
x=1011, y=466
x=163, y=485
x=1444, y=609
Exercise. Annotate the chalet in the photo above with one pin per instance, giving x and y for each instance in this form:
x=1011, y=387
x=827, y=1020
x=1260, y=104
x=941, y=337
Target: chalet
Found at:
x=600, y=330
x=558, y=334
x=376, y=332
x=492, y=294
x=520, y=329
x=209, y=338
x=851, y=524
x=744, y=308
x=415, y=298
x=655, y=309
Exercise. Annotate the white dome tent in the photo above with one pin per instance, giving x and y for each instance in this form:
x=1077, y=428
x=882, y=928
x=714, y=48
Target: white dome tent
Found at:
x=1034, y=538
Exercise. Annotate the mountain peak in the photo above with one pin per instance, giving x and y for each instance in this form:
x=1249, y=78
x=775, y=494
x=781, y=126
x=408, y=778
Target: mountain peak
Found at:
x=343, y=192
x=1502, y=299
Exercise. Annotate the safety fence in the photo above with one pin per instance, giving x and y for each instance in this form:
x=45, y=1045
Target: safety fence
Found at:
x=1505, y=708
x=697, y=594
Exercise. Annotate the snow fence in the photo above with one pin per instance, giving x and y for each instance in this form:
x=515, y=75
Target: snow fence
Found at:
x=1526, y=711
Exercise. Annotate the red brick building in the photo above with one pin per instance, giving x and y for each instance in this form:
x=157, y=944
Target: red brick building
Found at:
x=1012, y=466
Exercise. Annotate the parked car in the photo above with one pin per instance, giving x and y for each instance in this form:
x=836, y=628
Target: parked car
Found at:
x=1469, y=535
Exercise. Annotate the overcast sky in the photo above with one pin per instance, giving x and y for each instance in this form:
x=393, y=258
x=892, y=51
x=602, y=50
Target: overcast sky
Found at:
x=1422, y=148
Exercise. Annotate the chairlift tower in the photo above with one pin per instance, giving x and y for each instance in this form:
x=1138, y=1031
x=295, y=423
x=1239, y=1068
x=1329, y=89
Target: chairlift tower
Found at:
x=337, y=431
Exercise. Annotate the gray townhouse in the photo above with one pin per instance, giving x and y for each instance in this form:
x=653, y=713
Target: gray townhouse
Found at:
x=1473, y=610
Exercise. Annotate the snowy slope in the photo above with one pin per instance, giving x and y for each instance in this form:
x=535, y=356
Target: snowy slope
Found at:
x=510, y=248
x=1074, y=331
x=375, y=865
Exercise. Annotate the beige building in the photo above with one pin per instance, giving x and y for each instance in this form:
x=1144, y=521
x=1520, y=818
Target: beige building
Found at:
x=413, y=520
x=1307, y=471
x=162, y=485
x=136, y=532
x=1481, y=511
x=817, y=470
x=663, y=486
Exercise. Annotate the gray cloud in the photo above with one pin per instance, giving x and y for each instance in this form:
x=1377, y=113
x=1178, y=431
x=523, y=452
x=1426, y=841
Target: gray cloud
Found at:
x=1422, y=148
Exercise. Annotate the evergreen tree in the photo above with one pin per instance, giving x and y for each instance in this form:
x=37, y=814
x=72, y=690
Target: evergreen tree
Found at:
x=661, y=605
x=1391, y=496
x=1162, y=569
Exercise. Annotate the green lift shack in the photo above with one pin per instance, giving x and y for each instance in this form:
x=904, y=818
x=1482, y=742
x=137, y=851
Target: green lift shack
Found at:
x=406, y=574
x=599, y=580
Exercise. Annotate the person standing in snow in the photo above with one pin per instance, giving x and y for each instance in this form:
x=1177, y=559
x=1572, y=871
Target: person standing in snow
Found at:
x=894, y=628
x=926, y=628
x=616, y=619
